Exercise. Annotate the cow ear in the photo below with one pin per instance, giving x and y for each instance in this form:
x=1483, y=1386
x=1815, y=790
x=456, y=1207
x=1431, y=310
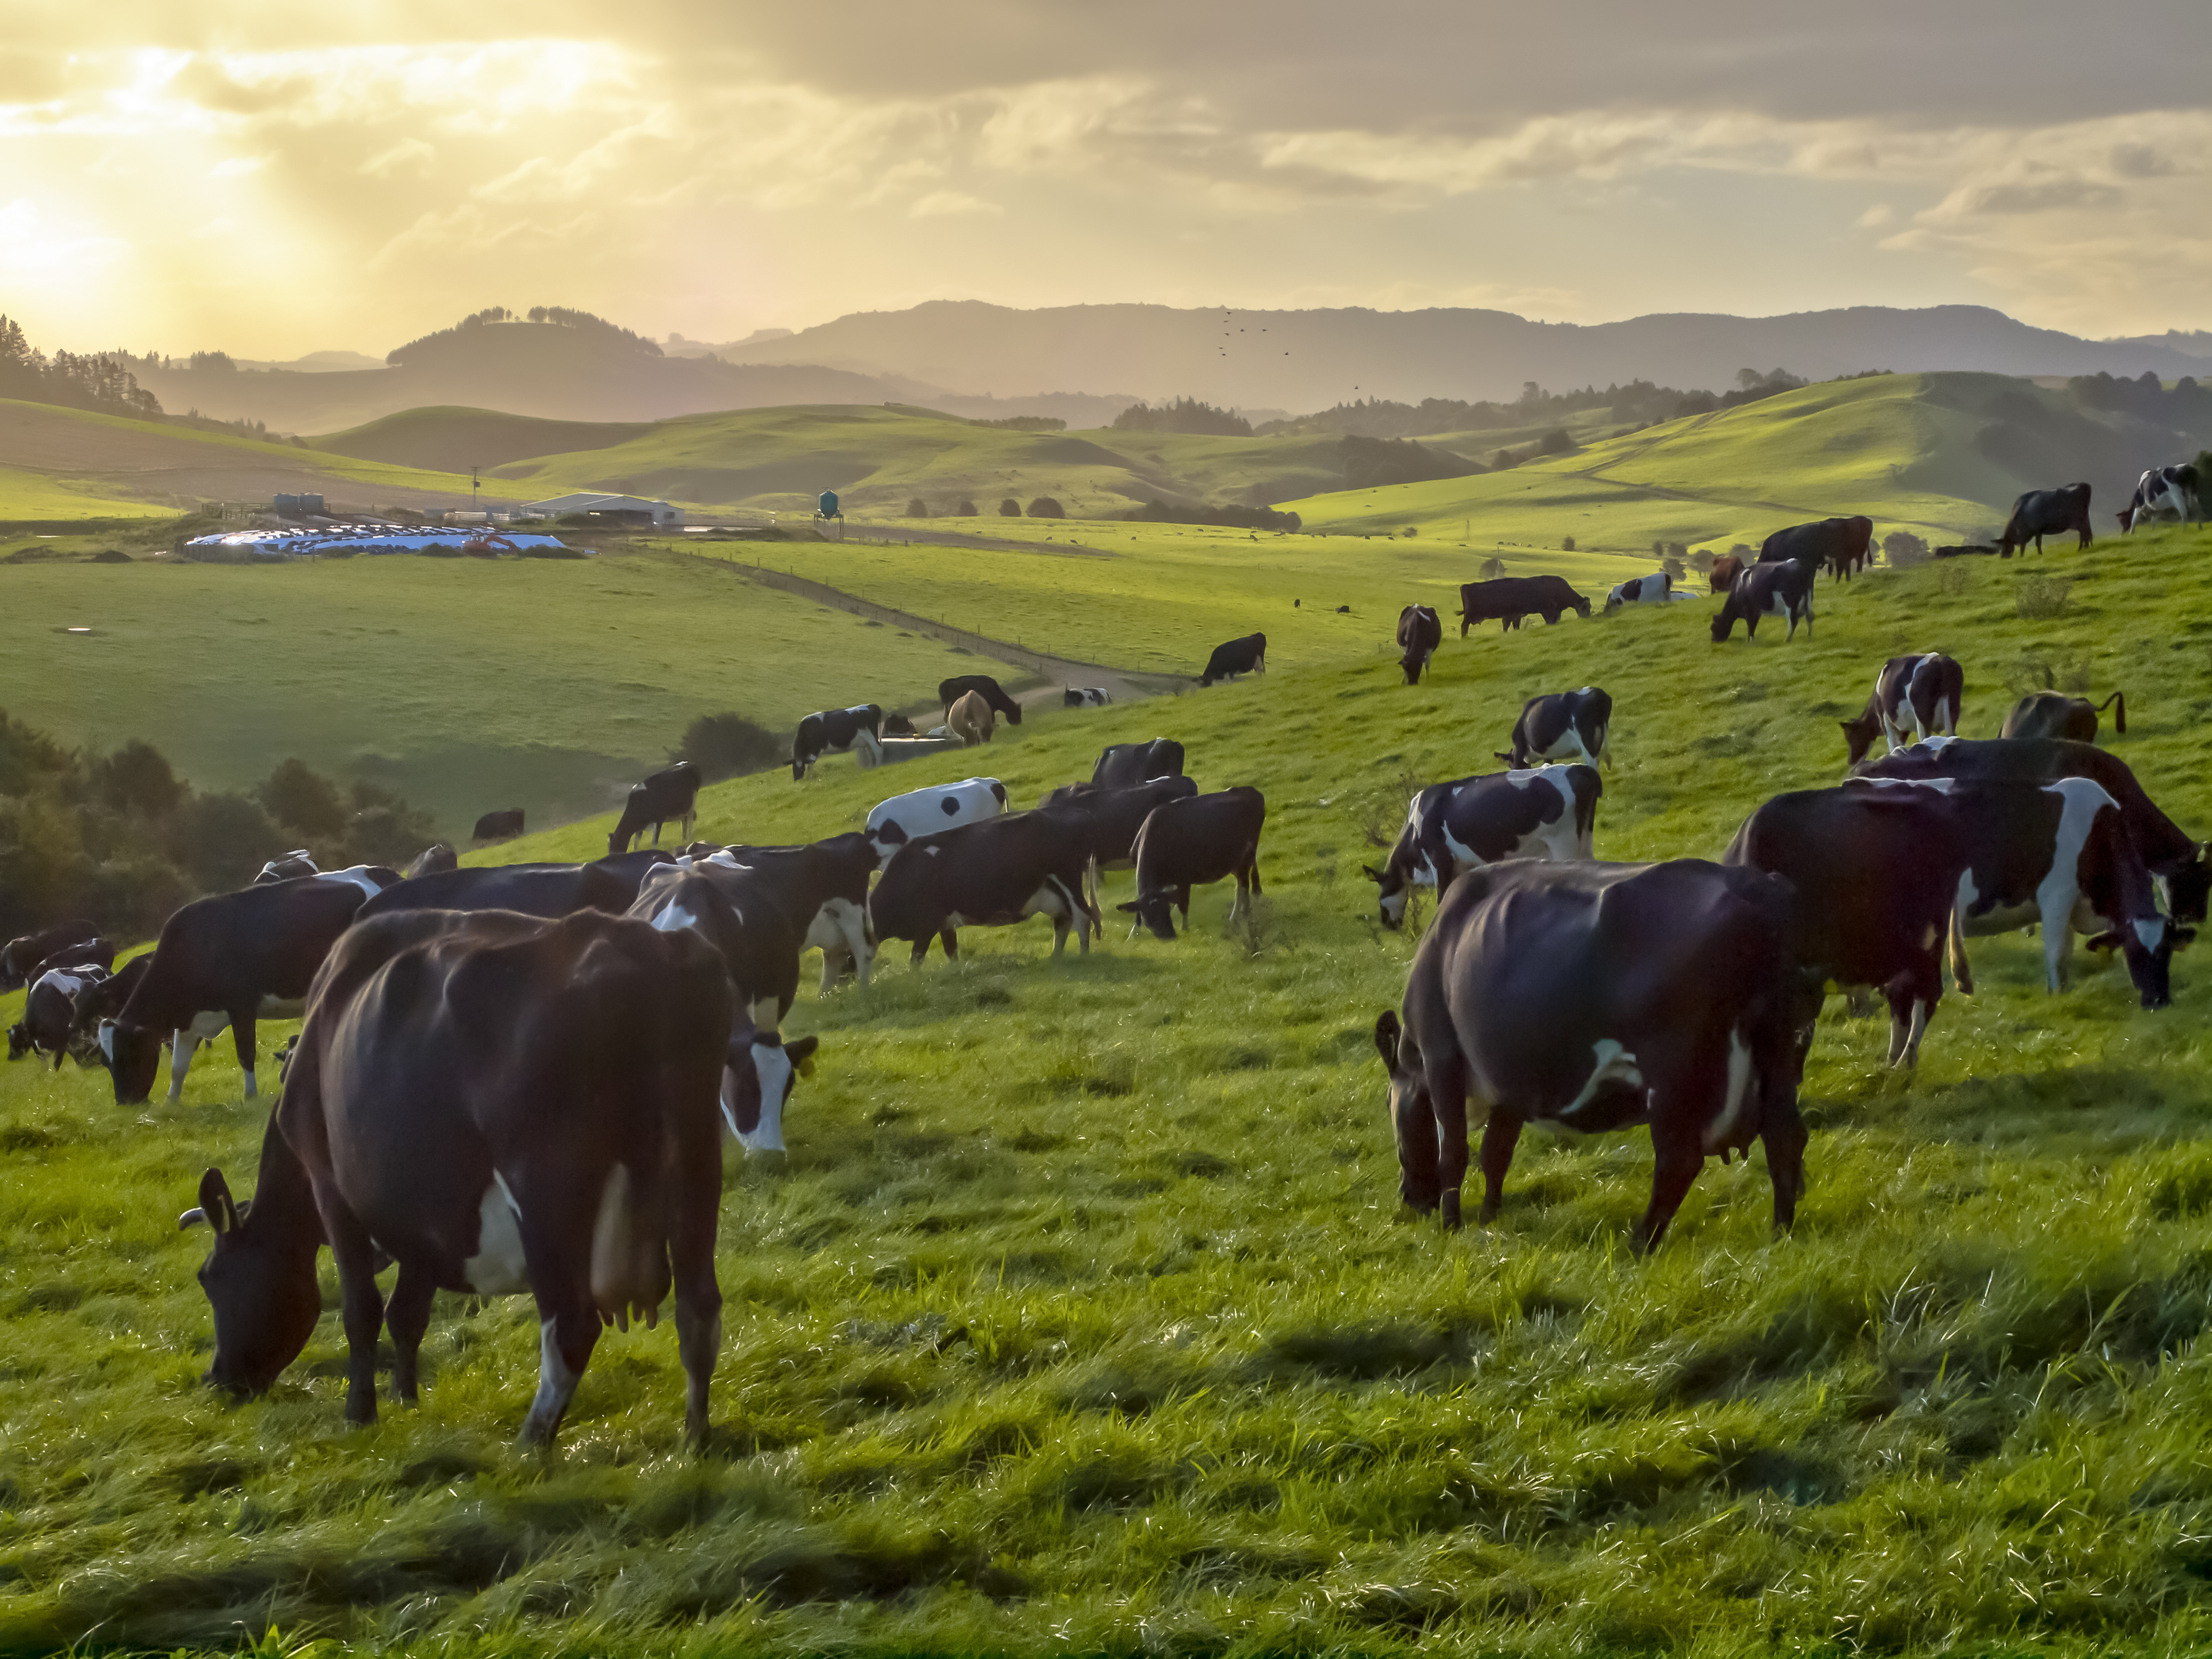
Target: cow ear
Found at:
x=1387, y=1032
x=1371, y=873
x=216, y=1206
x=801, y=1054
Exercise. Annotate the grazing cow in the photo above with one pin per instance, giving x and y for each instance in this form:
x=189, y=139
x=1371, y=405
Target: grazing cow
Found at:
x=949, y=692
x=824, y=886
x=2060, y=855
x=1920, y=692
x=49, y=1025
x=229, y=960
x=288, y=868
x=433, y=859
x=972, y=720
x=1419, y=634
x=501, y=1105
x=93, y=953
x=1876, y=874
x=892, y=823
x=1506, y=600
x=498, y=826
x=894, y=725
x=1837, y=545
x=2055, y=714
x=2041, y=512
x=2165, y=492
x=665, y=797
x=1114, y=817
x=988, y=874
x=545, y=890
x=835, y=730
x=1783, y=589
x=1596, y=996
x=1233, y=657
x=1726, y=568
x=2171, y=856
x=1658, y=589
x=1544, y=812
x=1564, y=725
x=103, y=999
x=1120, y=764
x=1084, y=697
x=1191, y=843
x=21, y=955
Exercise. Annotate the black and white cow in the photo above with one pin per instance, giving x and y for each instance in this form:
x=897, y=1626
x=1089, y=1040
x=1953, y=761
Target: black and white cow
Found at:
x=993, y=873
x=1563, y=726
x=1543, y=812
x=1194, y=842
x=1248, y=655
x=433, y=859
x=1120, y=764
x=2165, y=492
x=22, y=955
x=2173, y=857
x=544, y=891
x=1658, y=589
x=1597, y=996
x=951, y=691
x=498, y=826
x=502, y=1105
x=232, y=960
x=1876, y=874
x=825, y=883
x=2041, y=512
x=1783, y=589
x=1084, y=697
x=892, y=823
x=49, y=1025
x=835, y=730
x=1919, y=694
x=289, y=866
x=1114, y=817
x=103, y=1000
x=2055, y=714
x=1420, y=631
x=666, y=797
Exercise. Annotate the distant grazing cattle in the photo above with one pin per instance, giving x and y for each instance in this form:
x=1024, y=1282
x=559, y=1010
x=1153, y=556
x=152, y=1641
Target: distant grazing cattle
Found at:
x=1120, y=764
x=2165, y=492
x=1918, y=693
x=2041, y=512
x=1543, y=812
x=1597, y=996
x=1726, y=568
x=1838, y=545
x=1656, y=589
x=1876, y=874
x=49, y=1025
x=972, y=720
x=1084, y=697
x=288, y=868
x=498, y=826
x=544, y=891
x=1506, y=600
x=1783, y=589
x=432, y=859
x=505, y=1105
x=1563, y=726
x=824, y=886
x=666, y=797
x=229, y=960
x=23, y=954
x=2173, y=857
x=949, y=692
x=993, y=873
x=1420, y=633
x=1233, y=657
x=1113, y=817
x=103, y=999
x=2055, y=714
x=1965, y=550
x=833, y=730
x=91, y=953
x=1195, y=842
x=892, y=823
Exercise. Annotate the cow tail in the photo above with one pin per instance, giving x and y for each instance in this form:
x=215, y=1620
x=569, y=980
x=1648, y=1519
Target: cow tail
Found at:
x=1961, y=971
x=2119, y=713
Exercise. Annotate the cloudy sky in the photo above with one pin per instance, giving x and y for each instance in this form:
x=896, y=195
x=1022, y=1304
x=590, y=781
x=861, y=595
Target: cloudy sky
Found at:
x=278, y=178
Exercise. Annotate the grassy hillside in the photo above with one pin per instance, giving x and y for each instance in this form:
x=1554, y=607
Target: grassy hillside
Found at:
x=453, y=438
x=1082, y=1316
x=465, y=684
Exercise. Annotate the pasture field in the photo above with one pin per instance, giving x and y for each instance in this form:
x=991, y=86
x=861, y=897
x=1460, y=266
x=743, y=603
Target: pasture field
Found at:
x=465, y=684
x=1084, y=1318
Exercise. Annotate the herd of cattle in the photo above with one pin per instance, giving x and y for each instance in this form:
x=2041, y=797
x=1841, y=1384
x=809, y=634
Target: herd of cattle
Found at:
x=508, y=1079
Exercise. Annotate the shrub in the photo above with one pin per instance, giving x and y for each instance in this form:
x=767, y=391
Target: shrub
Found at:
x=222, y=840
x=1045, y=507
x=137, y=778
x=917, y=508
x=1673, y=566
x=1408, y=533
x=1010, y=508
x=1492, y=568
x=966, y=509
x=1566, y=544
x=1555, y=442
x=1702, y=561
x=2040, y=597
x=1902, y=548
x=725, y=745
x=304, y=802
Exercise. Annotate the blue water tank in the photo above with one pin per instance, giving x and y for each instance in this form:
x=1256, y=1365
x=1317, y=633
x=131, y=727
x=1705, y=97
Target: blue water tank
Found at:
x=829, y=505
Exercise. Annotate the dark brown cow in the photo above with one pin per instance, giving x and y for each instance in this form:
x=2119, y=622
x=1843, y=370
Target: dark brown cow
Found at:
x=1420, y=633
x=2055, y=714
x=1506, y=600
x=1726, y=568
x=2041, y=512
x=1190, y=843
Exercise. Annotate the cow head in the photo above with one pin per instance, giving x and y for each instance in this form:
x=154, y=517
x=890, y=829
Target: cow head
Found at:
x=132, y=1055
x=2148, y=948
x=759, y=1072
x=1859, y=735
x=261, y=1287
x=2189, y=887
x=1413, y=1118
x=19, y=1040
x=1722, y=625
x=1156, y=910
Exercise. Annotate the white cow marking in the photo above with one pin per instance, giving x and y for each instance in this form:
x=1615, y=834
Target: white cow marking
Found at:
x=358, y=876
x=674, y=918
x=498, y=1267
x=1614, y=1064
x=1722, y=1130
x=774, y=1068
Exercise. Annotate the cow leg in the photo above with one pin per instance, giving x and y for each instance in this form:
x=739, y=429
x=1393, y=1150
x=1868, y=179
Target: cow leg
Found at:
x=698, y=1296
x=565, y=1341
x=242, y=1032
x=2057, y=947
x=1908, y=1023
x=181, y=1044
x=407, y=1315
x=1782, y=1132
x=921, y=948
x=951, y=940
x=1676, y=1159
x=1451, y=1151
x=1501, y=1133
x=361, y=1302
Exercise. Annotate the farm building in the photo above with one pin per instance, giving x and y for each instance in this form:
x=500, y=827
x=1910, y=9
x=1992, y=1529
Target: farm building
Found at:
x=659, y=515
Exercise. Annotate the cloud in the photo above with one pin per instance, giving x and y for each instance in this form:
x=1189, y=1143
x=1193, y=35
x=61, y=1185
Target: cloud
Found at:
x=944, y=204
x=409, y=155
x=1876, y=217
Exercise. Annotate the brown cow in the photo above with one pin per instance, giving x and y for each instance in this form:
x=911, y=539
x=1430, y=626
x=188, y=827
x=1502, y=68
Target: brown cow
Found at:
x=972, y=719
x=1726, y=568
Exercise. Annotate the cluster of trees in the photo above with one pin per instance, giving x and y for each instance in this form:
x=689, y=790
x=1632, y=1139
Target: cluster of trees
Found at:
x=1558, y=441
x=102, y=381
x=1025, y=423
x=1044, y=506
x=120, y=839
x=435, y=344
x=1639, y=402
x=1183, y=414
x=1369, y=462
x=1225, y=518
x=2189, y=405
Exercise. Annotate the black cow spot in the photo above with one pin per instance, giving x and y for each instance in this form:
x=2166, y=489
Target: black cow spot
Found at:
x=950, y=805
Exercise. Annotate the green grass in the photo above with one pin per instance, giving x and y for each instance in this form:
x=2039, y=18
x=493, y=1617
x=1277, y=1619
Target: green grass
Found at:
x=1082, y=1317
x=38, y=497
x=465, y=684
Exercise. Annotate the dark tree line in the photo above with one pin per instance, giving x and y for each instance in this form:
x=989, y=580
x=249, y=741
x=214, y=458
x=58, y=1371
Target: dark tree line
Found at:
x=1183, y=414
x=598, y=328
x=1639, y=402
x=102, y=381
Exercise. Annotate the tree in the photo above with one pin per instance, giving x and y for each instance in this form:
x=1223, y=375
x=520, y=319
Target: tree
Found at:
x=223, y=840
x=1491, y=568
x=917, y=508
x=304, y=801
x=1010, y=508
x=137, y=778
x=966, y=509
x=1748, y=378
x=725, y=745
x=1902, y=547
x=1566, y=544
x=1555, y=442
x=1045, y=507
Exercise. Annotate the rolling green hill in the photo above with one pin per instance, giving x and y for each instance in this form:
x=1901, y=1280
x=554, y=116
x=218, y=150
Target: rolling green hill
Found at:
x=1083, y=1315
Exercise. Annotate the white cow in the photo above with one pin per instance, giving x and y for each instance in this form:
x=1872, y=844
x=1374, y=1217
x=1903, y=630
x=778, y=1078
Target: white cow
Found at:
x=925, y=812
